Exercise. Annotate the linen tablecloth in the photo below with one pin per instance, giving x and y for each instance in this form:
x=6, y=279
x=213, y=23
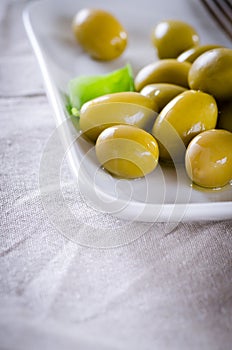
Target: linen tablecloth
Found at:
x=163, y=290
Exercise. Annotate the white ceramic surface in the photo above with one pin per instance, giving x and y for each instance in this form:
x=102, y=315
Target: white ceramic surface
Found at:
x=166, y=194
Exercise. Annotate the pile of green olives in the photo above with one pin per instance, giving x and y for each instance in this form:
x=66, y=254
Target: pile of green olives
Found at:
x=179, y=113
x=119, y=123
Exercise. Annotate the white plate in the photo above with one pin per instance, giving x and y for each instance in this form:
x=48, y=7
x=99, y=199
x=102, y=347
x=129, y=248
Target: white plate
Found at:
x=166, y=194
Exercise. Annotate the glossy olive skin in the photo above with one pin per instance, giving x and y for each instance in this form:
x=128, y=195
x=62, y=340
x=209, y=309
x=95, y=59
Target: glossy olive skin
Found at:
x=99, y=33
x=208, y=159
x=163, y=71
x=192, y=54
x=225, y=116
x=183, y=118
x=127, y=151
x=211, y=72
x=162, y=93
x=118, y=108
x=127, y=97
x=172, y=37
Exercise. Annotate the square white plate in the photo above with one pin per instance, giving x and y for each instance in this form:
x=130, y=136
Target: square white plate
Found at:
x=166, y=194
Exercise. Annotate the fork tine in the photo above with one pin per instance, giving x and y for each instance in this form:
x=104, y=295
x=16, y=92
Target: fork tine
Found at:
x=226, y=8
x=221, y=10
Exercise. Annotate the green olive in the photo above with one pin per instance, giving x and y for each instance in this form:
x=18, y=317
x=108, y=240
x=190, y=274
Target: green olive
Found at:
x=192, y=54
x=212, y=73
x=118, y=108
x=182, y=118
x=162, y=93
x=172, y=37
x=208, y=159
x=163, y=71
x=127, y=151
x=225, y=116
x=99, y=33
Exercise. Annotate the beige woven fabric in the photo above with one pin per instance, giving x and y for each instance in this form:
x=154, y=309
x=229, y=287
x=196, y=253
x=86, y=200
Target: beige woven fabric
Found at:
x=160, y=292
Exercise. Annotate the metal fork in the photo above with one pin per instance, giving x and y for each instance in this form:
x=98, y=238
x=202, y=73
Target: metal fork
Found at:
x=221, y=10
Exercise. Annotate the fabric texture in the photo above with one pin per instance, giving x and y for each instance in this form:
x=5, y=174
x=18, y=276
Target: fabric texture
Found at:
x=164, y=291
